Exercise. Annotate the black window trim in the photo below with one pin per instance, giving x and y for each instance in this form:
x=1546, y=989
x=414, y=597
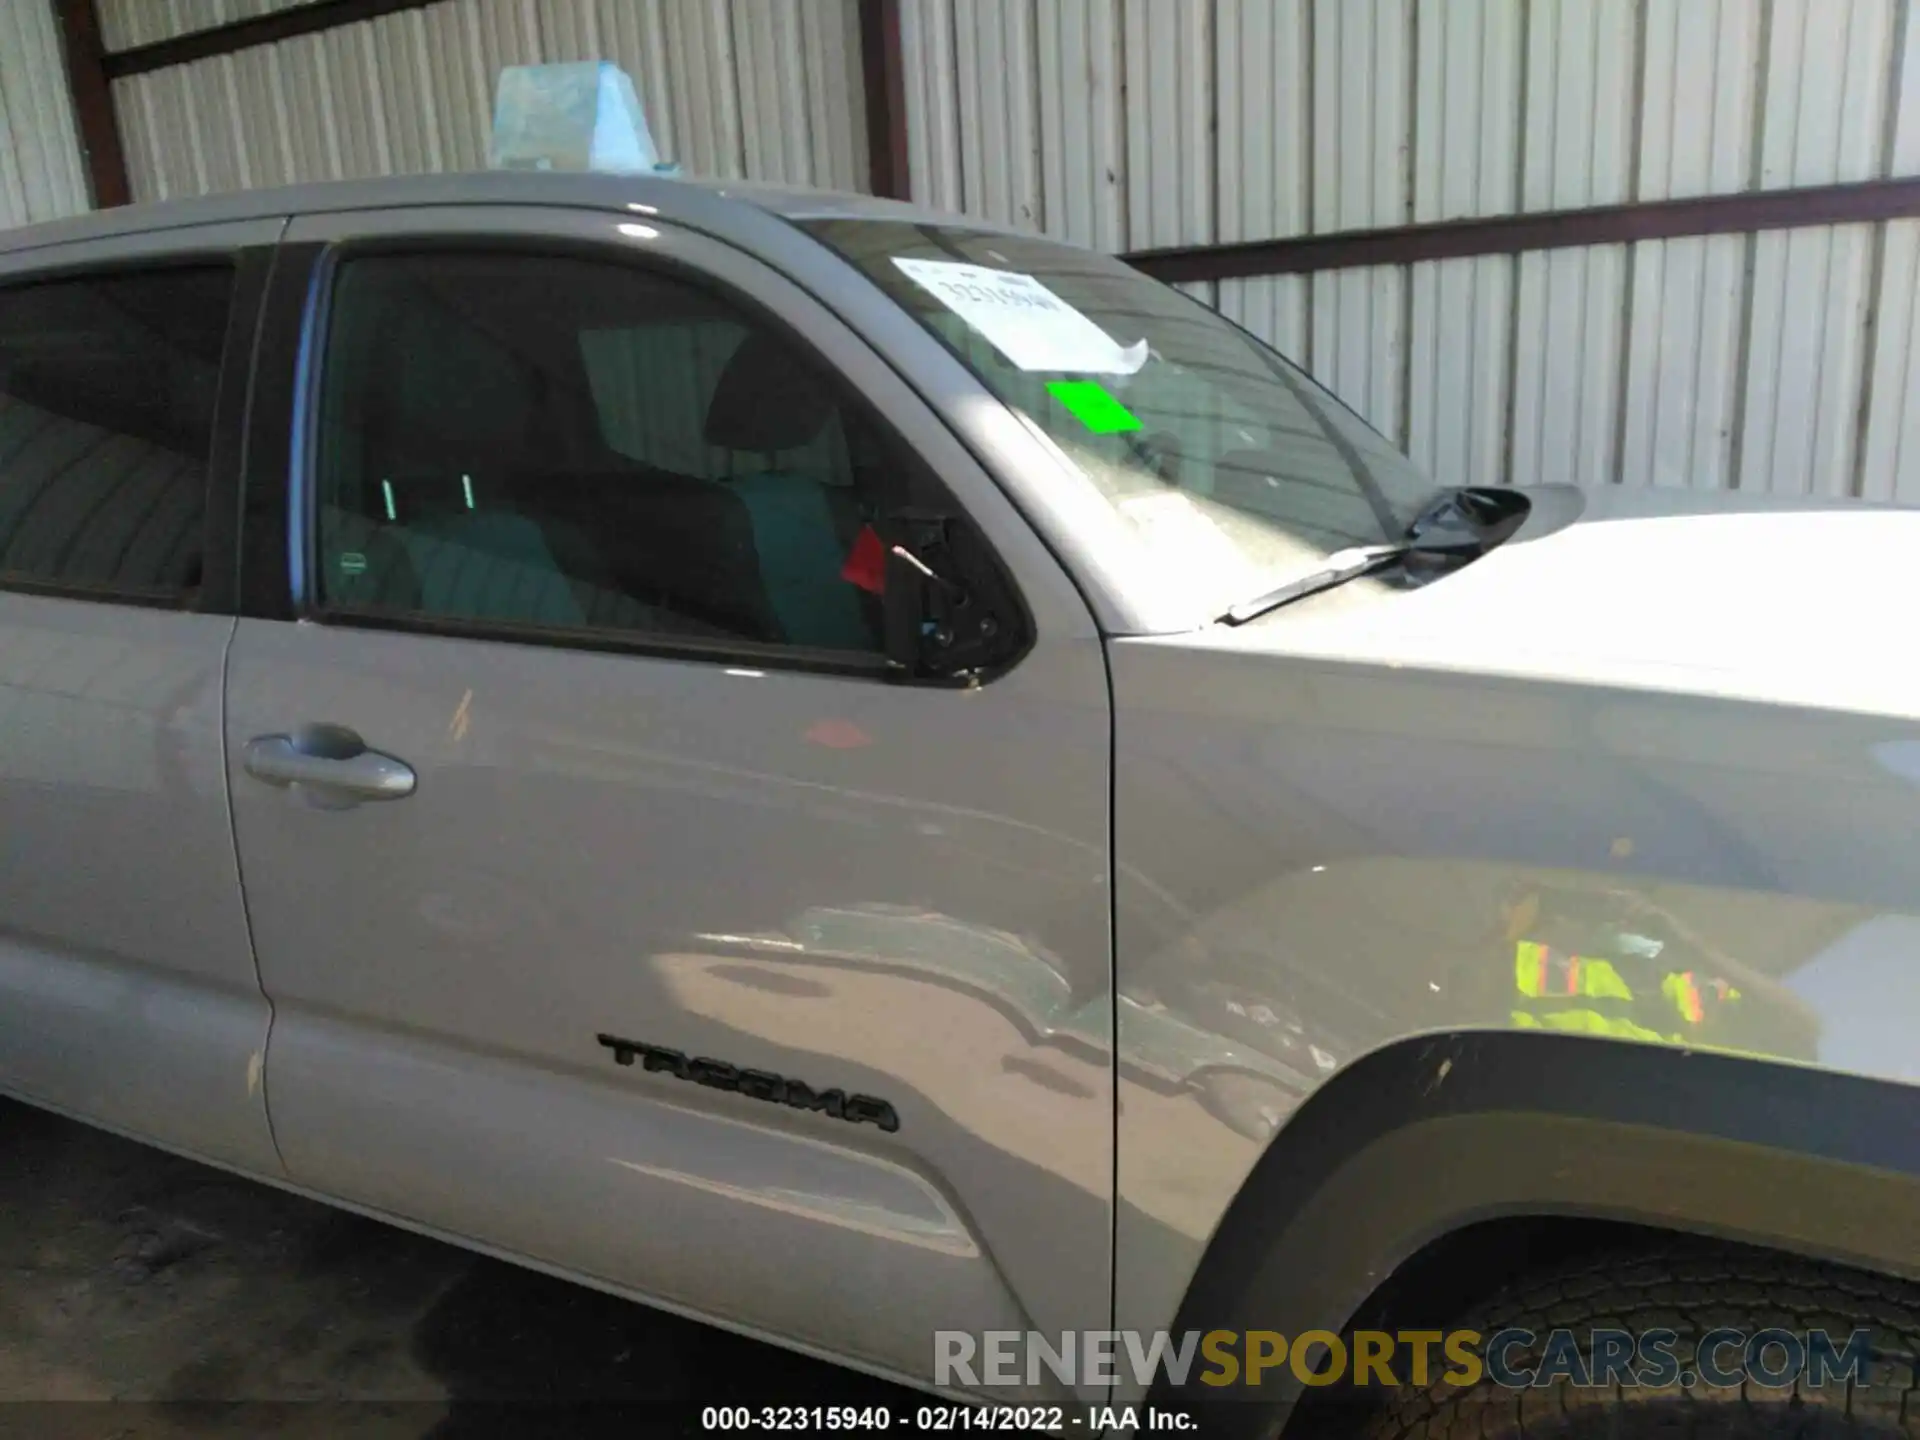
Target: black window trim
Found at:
x=303, y=294
x=250, y=266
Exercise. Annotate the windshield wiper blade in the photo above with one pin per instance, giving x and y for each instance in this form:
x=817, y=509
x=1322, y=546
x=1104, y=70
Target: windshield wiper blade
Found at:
x=1446, y=526
x=1341, y=566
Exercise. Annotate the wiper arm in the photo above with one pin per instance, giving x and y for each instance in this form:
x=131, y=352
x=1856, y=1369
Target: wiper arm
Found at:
x=1447, y=526
x=1341, y=566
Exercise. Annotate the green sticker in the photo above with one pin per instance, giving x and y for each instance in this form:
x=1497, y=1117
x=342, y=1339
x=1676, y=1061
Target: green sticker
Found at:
x=353, y=563
x=1093, y=406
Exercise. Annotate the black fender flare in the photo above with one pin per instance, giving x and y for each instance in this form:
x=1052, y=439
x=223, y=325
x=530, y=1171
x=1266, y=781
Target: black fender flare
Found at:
x=1431, y=1134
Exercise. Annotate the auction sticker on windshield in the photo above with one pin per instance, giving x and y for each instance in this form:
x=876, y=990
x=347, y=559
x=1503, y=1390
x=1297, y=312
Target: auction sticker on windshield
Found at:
x=1023, y=319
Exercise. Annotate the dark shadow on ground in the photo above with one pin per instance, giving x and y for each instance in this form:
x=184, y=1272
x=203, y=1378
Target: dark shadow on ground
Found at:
x=143, y=1296
x=522, y=1354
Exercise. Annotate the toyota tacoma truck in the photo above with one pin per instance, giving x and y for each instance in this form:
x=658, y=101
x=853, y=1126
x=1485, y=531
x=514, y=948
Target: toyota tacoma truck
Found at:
x=857, y=775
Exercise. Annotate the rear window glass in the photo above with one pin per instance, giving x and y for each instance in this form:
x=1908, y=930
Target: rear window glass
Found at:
x=107, y=391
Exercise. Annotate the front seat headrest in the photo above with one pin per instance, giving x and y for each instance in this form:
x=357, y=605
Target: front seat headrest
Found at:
x=768, y=398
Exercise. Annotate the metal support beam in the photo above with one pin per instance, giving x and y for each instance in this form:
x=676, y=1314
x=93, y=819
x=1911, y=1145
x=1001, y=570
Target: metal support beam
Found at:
x=308, y=19
x=92, y=96
x=884, y=71
x=1862, y=202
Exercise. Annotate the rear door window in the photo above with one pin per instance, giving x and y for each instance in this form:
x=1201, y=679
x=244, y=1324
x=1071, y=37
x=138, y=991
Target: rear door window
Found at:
x=515, y=440
x=107, y=391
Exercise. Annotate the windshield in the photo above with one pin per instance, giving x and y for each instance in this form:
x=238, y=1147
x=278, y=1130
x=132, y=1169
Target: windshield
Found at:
x=1233, y=468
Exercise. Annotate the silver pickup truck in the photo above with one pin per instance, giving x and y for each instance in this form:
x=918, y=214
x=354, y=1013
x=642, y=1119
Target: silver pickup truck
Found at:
x=887, y=783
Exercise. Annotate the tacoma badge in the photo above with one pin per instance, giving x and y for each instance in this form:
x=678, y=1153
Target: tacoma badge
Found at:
x=755, y=1084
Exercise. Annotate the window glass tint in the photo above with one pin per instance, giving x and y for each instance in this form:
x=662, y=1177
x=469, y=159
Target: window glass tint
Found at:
x=107, y=388
x=558, y=442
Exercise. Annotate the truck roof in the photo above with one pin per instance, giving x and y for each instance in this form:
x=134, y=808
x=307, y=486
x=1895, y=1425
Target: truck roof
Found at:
x=704, y=203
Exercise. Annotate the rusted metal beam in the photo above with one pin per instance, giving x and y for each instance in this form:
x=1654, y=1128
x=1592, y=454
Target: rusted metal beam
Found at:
x=93, y=111
x=883, y=68
x=1861, y=202
x=215, y=40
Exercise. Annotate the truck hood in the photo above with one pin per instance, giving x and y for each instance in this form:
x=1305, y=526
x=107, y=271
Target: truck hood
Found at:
x=1784, y=600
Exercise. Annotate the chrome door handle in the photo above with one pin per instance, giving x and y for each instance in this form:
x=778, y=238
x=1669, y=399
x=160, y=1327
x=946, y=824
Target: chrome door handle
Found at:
x=331, y=761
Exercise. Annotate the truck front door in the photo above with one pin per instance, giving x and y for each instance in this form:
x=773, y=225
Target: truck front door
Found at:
x=618, y=910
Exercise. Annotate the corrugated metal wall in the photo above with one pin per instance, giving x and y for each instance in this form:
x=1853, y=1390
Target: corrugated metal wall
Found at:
x=1782, y=361
x=1778, y=362
x=41, y=176
x=761, y=89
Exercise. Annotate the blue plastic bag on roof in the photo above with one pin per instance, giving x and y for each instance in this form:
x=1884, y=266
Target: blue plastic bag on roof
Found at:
x=581, y=116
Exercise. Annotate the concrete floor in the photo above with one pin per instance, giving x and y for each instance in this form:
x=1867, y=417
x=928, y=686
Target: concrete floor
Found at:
x=193, y=1303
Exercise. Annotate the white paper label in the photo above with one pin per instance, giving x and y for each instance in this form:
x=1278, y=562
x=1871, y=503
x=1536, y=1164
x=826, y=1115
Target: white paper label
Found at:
x=1022, y=319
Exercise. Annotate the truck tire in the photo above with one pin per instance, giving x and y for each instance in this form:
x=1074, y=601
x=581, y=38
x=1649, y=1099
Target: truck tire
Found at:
x=1691, y=1287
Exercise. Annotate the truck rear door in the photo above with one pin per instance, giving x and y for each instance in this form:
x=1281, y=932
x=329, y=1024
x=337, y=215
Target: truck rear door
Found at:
x=128, y=994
